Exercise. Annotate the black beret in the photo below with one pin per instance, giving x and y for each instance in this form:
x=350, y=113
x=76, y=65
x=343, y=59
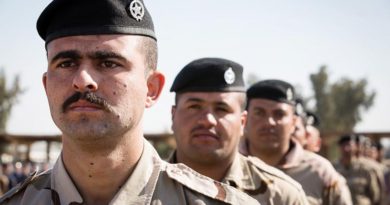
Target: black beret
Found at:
x=377, y=145
x=210, y=75
x=300, y=108
x=63, y=18
x=362, y=140
x=312, y=119
x=275, y=90
x=346, y=139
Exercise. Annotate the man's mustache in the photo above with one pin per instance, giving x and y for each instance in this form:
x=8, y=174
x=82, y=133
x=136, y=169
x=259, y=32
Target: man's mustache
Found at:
x=201, y=128
x=87, y=96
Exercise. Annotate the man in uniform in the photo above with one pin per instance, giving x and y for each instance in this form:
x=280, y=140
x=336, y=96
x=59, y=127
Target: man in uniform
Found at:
x=101, y=75
x=362, y=179
x=314, y=141
x=208, y=120
x=378, y=155
x=305, y=131
x=363, y=148
x=268, y=132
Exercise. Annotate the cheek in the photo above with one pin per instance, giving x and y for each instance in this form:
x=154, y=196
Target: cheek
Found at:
x=251, y=121
x=180, y=122
x=287, y=124
x=249, y=126
x=55, y=93
x=231, y=125
x=125, y=90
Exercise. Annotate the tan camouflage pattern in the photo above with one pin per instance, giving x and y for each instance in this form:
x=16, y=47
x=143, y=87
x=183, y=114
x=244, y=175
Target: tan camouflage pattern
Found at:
x=266, y=184
x=153, y=181
x=322, y=184
x=362, y=180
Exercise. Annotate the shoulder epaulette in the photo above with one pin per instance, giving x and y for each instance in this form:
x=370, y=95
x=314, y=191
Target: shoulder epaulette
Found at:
x=205, y=185
x=21, y=186
x=272, y=171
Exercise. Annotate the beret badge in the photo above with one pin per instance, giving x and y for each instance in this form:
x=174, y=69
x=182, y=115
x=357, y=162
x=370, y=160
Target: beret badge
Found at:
x=229, y=76
x=137, y=10
x=310, y=120
x=289, y=94
x=299, y=109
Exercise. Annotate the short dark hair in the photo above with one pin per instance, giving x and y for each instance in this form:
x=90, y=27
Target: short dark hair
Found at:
x=148, y=46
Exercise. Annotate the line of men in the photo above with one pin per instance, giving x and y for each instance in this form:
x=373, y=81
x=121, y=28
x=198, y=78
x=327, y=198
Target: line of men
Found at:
x=101, y=75
x=367, y=178
x=211, y=113
x=213, y=110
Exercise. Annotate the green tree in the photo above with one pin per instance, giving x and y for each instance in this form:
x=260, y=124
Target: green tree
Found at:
x=340, y=105
x=8, y=98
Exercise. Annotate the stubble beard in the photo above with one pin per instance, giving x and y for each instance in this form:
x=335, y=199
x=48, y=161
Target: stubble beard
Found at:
x=90, y=131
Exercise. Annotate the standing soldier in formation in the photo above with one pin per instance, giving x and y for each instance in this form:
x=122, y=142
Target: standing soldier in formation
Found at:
x=378, y=155
x=268, y=132
x=361, y=177
x=101, y=76
x=208, y=121
x=364, y=145
x=314, y=141
x=306, y=131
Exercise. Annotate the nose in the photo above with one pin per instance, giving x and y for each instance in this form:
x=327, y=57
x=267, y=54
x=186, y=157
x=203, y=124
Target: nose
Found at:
x=84, y=81
x=208, y=120
x=271, y=121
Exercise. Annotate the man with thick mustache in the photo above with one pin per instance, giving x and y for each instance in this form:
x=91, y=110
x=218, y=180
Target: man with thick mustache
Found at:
x=101, y=75
x=268, y=135
x=208, y=120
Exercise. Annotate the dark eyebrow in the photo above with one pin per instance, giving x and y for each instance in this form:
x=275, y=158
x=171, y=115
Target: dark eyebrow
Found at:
x=106, y=54
x=72, y=54
x=194, y=100
x=222, y=104
x=257, y=109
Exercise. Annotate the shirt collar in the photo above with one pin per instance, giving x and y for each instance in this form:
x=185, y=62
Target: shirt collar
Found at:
x=240, y=175
x=293, y=157
x=63, y=184
x=138, y=188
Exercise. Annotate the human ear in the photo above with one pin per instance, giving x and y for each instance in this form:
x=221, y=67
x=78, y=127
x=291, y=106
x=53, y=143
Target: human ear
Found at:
x=155, y=83
x=44, y=80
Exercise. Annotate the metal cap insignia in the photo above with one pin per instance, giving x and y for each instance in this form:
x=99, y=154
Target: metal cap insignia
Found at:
x=229, y=76
x=289, y=94
x=137, y=10
x=299, y=109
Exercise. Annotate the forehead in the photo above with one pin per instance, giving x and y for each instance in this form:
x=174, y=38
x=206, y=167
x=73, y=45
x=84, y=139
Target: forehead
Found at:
x=348, y=143
x=211, y=97
x=270, y=105
x=125, y=44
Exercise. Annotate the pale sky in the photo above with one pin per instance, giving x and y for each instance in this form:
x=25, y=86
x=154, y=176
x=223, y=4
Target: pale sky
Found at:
x=286, y=40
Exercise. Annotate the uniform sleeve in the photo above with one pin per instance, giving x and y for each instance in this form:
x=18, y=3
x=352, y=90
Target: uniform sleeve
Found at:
x=374, y=187
x=338, y=193
x=344, y=194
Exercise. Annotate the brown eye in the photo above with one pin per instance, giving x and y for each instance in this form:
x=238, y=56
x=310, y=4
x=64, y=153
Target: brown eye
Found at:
x=66, y=64
x=109, y=64
x=222, y=109
x=194, y=106
x=279, y=114
x=260, y=113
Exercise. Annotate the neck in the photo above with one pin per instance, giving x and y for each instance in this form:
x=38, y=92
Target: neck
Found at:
x=216, y=170
x=99, y=173
x=272, y=157
x=346, y=161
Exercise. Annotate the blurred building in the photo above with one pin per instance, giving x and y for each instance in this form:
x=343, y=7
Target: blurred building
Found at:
x=46, y=148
